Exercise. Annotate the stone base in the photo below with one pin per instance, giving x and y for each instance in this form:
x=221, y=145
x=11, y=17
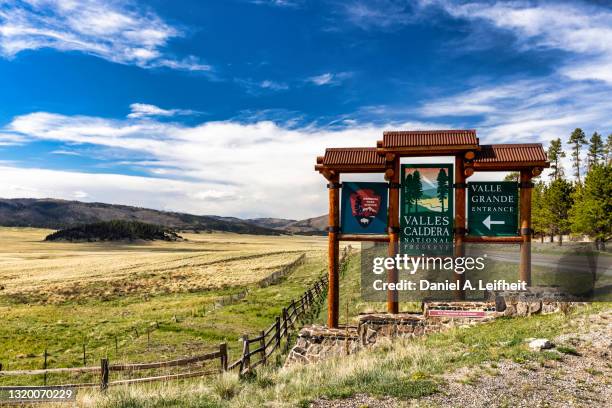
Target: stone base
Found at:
x=535, y=300
x=315, y=343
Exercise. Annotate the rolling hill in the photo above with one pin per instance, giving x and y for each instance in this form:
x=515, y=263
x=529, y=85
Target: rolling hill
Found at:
x=61, y=214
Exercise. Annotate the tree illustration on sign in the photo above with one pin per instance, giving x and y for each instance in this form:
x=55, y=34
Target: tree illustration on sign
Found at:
x=417, y=189
x=442, y=187
x=408, y=193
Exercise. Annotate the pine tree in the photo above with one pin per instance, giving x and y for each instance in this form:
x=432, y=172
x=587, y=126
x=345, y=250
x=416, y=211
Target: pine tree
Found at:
x=608, y=149
x=577, y=140
x=555, y=154
x=596, y=152
x=408, y=191
x=558, y=200
x=539, y=210
x=442, y=191
x=592, y=213
x=417, y=189
x=512, y=176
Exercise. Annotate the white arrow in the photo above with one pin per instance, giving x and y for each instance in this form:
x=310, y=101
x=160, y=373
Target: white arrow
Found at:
x=487, y=222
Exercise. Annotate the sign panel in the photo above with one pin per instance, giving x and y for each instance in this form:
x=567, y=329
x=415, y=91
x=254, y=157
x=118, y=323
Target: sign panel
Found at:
x=426, y=209
x=456, y=313
x=364, y=208
x=493, y=208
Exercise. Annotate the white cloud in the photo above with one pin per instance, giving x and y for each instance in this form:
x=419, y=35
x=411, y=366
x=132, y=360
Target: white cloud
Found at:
x=378, y=14
x=527, y=111
x=141, y=110
x=329, y=78
x=582, y=30
x=279, y=3
x=228, y=168
x=276, y=86
x=116, y=31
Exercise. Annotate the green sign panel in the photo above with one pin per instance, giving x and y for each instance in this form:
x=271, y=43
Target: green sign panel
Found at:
x=426, y=209
x=493, y=208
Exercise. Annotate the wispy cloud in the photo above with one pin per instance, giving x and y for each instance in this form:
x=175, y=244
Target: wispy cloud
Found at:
x=142, y=110
x=265, y=168
x=378, y=14
x=117, y=31
x=329, y=78
x=255, y=87
x=280, y=3
x=582, y=30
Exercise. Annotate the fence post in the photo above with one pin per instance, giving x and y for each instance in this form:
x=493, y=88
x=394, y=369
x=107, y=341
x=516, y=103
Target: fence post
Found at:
x=223, y=352
x=45, y=367
x=277, y=334
x=285, y=323
x=292, y=306
x=84, y=356
x=104, y=374
x=262, y=345
x=245, y=365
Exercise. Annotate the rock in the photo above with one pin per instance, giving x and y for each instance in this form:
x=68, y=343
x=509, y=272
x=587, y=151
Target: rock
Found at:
x=540, y=344
x=522, y=309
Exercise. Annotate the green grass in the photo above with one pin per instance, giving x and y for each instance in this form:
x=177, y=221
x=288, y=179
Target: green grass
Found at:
x=62, y=329
x=403, y=369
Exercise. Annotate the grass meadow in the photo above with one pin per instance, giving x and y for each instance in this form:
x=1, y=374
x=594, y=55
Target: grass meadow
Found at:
x=189, y=295
x=404, y=368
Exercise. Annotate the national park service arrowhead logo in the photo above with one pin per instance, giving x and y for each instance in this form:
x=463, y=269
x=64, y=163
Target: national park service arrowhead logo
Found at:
x=365, y=204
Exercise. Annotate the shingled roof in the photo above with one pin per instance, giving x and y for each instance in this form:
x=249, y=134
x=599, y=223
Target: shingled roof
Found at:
x=352, y=159
x=429, y=139
x=520, y=155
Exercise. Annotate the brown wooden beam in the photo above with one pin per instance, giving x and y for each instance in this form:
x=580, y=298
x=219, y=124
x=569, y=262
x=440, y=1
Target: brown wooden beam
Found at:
x=333, y=289
x=364, y=237
x=525, y=223
x=460, y=176
x=393, y=224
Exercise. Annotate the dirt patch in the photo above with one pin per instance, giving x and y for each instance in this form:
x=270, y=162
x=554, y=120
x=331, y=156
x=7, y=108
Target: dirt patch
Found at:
x=565, y=380
x=562, y=379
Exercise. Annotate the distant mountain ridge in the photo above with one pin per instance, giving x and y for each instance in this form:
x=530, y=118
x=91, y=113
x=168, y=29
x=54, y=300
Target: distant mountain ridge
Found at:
x=58, y=214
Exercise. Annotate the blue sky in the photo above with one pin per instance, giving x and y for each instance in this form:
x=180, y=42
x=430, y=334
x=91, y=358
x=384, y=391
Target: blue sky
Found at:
x=220, y=107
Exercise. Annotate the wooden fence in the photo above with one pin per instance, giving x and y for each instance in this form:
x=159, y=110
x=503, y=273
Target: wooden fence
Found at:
x=255, y=350
x=261, y=347
x=105, y=369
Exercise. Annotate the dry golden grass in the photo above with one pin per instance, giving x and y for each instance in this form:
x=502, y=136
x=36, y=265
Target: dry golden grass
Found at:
x=32, y=270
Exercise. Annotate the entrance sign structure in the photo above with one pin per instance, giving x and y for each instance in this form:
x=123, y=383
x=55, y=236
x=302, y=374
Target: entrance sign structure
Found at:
x=493, y=208
x=470, y=156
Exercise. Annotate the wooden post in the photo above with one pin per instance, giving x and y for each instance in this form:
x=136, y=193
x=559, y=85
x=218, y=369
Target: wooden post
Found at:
x=393, y=229
x=333, y=294
x=245, y=365
x=285, y=323
x=525, y=220
x=277, y=332
x=45, y=367
x=223, y=352
x=84, y=356
x=459, y=230
x=262, y=345
x=104, y=374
